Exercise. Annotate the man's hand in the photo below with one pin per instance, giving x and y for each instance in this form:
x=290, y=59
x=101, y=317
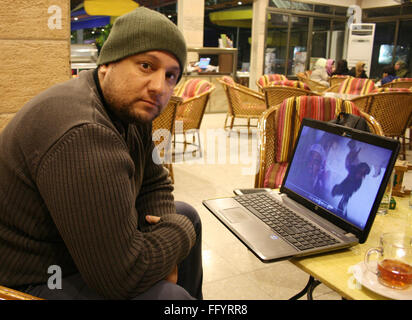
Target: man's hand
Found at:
x=152, y=219
x=172, y=277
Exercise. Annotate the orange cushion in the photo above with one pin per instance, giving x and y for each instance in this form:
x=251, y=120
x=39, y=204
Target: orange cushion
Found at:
x=290, y=83
x=192, y=88
x=228, y=80
x=402, y=79
x=378, y=90
x=266, y=78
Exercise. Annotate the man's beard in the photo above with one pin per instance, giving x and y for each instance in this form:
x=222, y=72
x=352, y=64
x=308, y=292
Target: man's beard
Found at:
x=125, y=112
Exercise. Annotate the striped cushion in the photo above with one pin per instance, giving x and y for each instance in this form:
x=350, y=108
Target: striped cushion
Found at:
x=266, y=78
x=379, y=90
x=228, y=80
x=290, y=83
x=274, y=175
x=287, y=121
x=402, y=80
x=359, y=86
x=192, y=88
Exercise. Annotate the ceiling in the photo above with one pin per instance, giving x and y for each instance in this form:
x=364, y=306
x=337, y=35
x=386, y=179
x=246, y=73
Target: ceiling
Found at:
x=209, y=4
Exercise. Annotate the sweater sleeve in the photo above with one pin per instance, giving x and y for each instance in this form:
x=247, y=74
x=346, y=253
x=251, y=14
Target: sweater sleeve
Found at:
x=155, y=194
x=86, y=181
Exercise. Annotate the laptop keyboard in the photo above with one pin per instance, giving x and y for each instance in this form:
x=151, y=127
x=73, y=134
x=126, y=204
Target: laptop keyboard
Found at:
x=297, y=231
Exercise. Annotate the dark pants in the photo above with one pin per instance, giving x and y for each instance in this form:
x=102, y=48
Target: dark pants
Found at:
x=188, y=287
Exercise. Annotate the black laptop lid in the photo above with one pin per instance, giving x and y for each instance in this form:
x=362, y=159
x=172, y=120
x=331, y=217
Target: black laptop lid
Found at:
x=340, y=173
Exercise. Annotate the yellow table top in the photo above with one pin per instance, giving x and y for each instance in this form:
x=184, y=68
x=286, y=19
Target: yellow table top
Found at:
x=333, y=269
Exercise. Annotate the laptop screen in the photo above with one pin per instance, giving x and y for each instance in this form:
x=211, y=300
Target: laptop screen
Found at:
x=338, y=173
x=203, y=63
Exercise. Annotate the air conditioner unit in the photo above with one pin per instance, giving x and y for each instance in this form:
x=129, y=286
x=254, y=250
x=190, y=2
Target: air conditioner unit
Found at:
x=360, y=44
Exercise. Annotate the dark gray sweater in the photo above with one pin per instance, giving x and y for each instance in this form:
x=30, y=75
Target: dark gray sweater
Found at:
x=74, y=190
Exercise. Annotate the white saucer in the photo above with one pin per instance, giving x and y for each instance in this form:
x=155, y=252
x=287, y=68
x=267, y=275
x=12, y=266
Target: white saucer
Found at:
x=369, y=280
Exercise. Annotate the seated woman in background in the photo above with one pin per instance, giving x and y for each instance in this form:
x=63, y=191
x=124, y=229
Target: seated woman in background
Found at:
x=319, y=73
x=341, y=68
x=401, y=69
x=388, y=75
x=358, y=71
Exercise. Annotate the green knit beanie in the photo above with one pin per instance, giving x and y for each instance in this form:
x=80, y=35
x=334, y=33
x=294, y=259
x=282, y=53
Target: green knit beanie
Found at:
x=143, y=30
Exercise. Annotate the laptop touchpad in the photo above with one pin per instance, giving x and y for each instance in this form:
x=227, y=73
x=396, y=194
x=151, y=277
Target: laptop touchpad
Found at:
x=235, y=215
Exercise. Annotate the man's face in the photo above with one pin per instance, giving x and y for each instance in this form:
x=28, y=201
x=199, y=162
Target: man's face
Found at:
x=397, y=66
x=137, y=88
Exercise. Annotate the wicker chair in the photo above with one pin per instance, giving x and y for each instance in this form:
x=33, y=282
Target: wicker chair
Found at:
x=278, y=91
x=304, y=75
x=264, y=80
x=314, y=85
x=189, y=114
x=11, y=294
x=162, y=129
x=393, y=110
x=278, y=128
x=399, y=83
x=242, y=102
x=337, y=79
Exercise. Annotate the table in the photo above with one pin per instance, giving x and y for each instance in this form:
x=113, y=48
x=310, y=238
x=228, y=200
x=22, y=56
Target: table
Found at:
x=333, y=269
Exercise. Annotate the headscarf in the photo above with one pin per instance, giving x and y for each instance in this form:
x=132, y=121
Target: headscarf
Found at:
x=342, y=67
x=359, y=69
x=329, y=66
x=402, y=71
x=320, y=63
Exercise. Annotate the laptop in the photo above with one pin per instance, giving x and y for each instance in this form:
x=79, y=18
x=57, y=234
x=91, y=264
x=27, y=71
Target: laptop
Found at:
x=204, y=63
x=329, y=195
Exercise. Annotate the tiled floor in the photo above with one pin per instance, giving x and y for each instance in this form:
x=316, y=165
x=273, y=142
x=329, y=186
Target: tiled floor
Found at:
x=231, y=271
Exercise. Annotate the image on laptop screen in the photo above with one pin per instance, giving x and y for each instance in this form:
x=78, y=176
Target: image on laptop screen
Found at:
x=337, y=173
x=203, y=63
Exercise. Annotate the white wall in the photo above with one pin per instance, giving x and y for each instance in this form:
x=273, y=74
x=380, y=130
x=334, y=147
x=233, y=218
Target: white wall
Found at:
x=364, y=4
x=377, y=3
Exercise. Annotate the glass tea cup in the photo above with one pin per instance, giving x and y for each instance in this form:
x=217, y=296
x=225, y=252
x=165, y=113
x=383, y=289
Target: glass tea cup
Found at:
x=394, y=264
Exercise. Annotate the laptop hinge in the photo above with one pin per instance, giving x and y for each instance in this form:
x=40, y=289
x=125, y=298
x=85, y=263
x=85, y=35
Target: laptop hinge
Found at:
x=349, y=235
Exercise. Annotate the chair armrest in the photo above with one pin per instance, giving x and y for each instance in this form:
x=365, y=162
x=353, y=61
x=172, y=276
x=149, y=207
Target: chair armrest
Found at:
x=11, y=294
x=250, y=92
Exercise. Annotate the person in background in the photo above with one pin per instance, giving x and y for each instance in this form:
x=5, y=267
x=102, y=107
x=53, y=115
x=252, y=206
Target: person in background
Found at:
x=319, y=73
x=388, y=75
x=82, y=189
x=358, y=71
x=341, y=68
x=330, y=66
x=401, y=69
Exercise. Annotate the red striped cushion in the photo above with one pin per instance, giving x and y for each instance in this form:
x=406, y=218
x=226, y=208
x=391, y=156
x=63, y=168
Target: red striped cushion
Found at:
x=266, y=78
x=274, y=175
x=357, y=86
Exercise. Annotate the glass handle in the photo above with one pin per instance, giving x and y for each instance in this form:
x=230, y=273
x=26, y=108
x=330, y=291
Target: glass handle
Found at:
x=379, y=251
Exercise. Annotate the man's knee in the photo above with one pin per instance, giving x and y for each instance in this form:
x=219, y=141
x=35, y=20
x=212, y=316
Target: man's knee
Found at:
x=165, y=290
x=187, y=210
